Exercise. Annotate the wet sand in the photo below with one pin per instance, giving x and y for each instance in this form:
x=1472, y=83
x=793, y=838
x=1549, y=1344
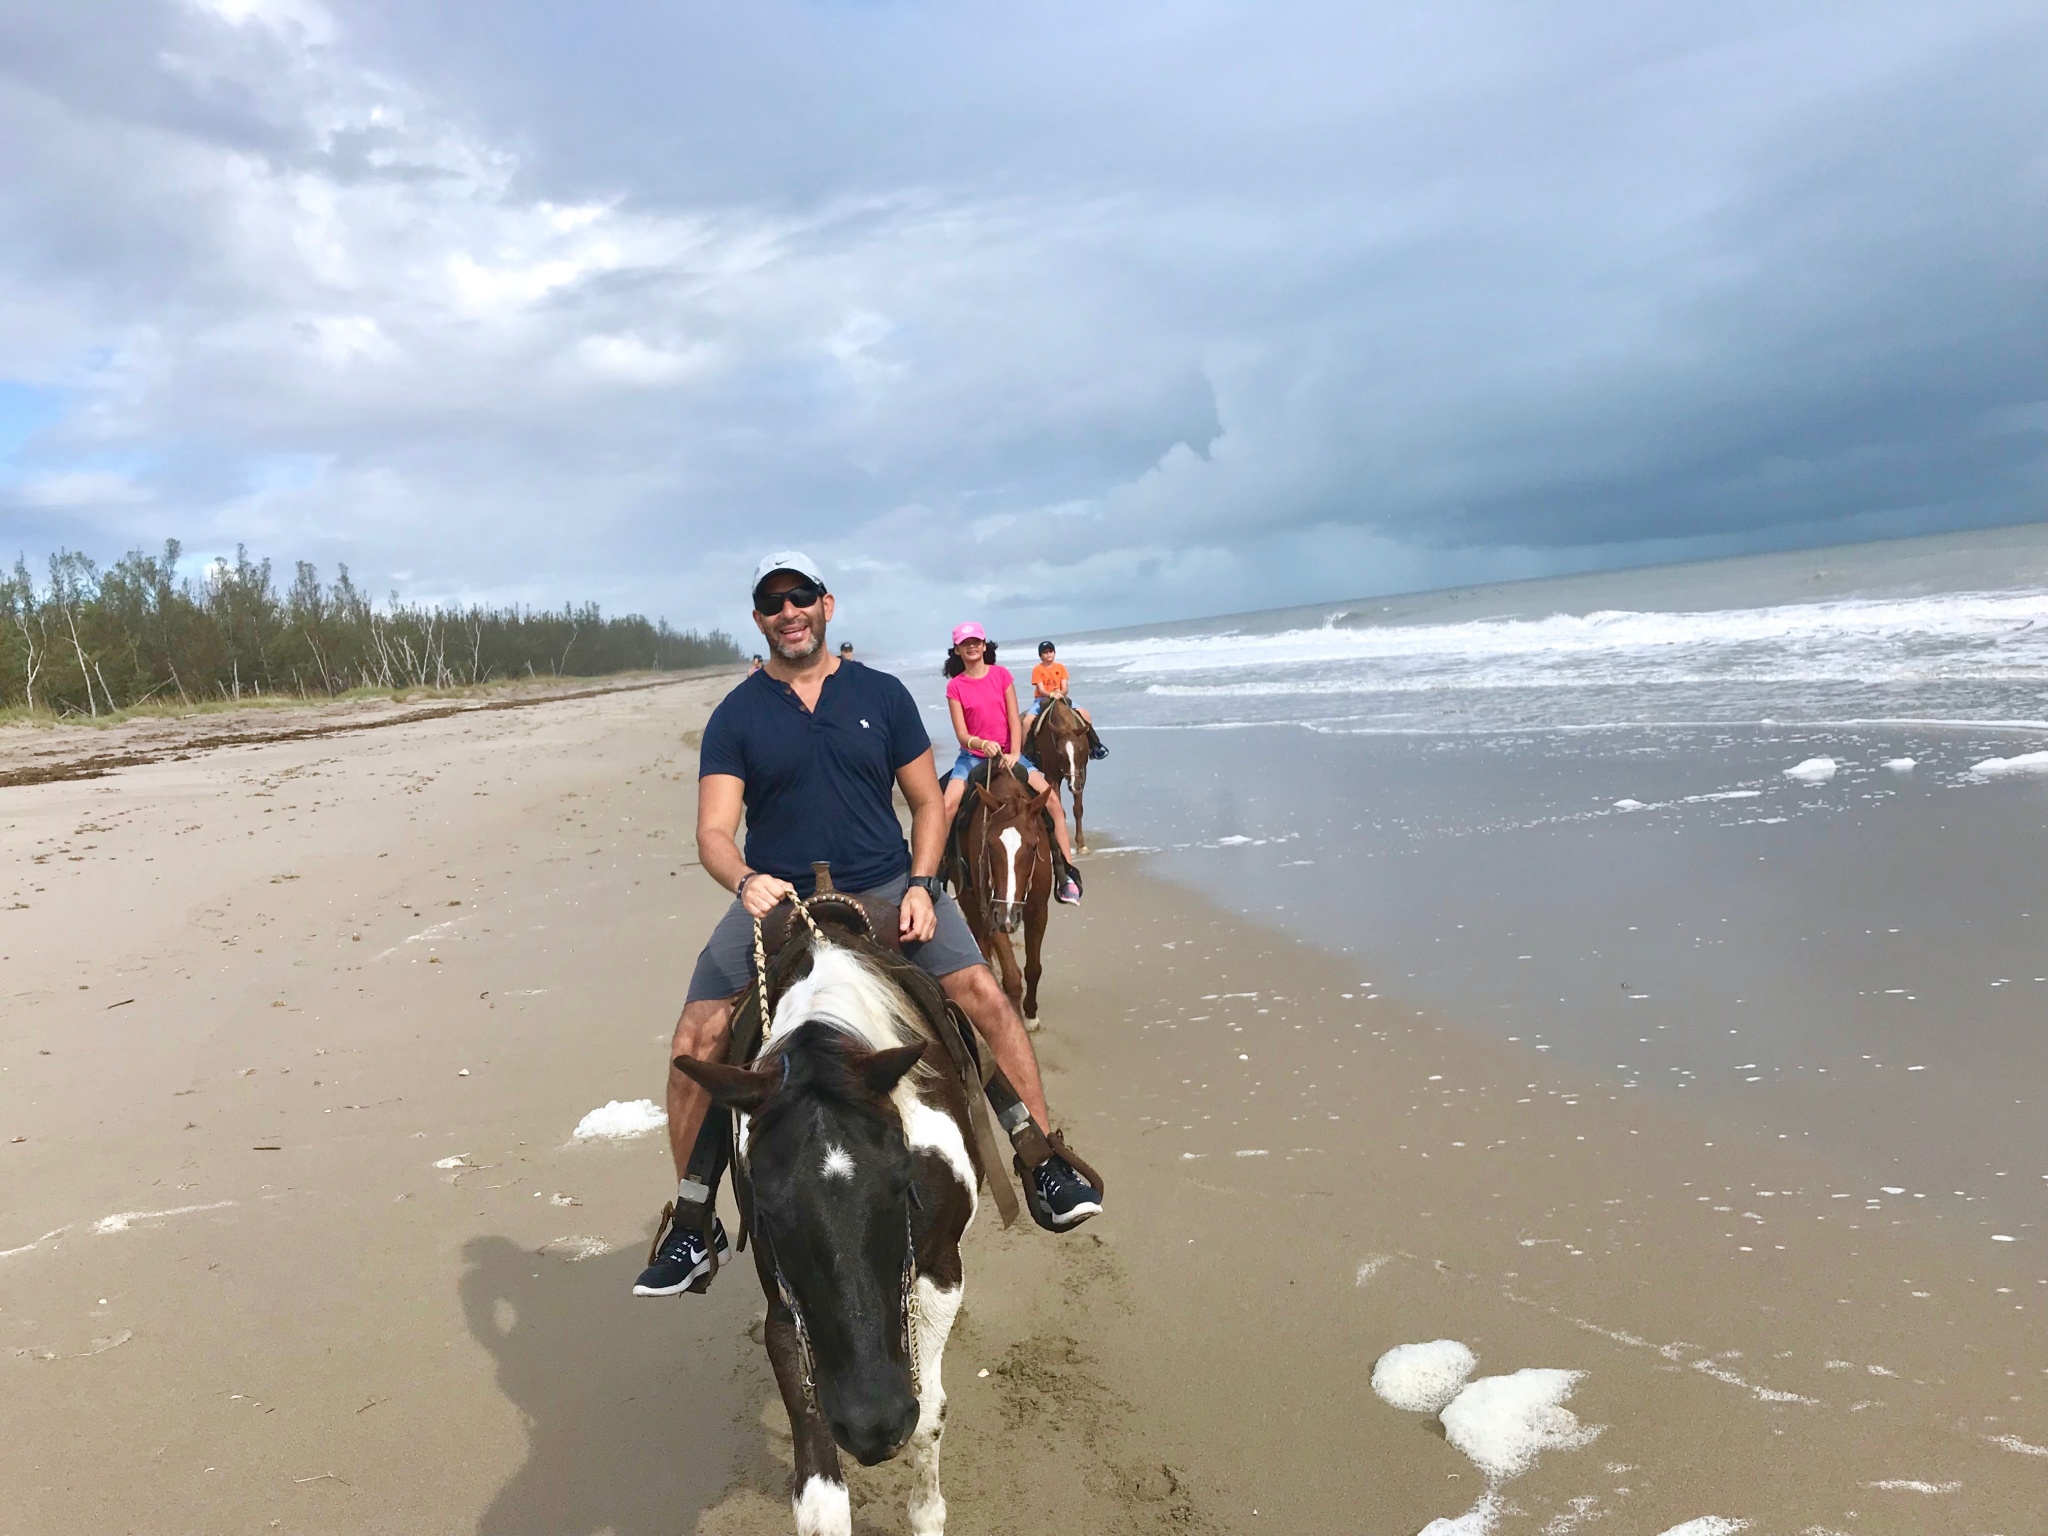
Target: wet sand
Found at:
x=278, y=984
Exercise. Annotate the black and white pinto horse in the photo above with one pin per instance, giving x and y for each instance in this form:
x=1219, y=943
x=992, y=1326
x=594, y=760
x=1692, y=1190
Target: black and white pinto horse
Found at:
x=858, y=1179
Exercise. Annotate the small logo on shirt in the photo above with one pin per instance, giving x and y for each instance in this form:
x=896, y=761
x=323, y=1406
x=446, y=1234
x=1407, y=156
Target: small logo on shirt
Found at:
x=863, y=725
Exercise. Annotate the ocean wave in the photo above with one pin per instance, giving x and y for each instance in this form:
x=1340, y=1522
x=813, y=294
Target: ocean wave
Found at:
x=2007, y=630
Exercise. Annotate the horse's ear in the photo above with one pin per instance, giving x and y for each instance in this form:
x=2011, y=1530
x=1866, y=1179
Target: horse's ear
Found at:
x=1042, y=799
x=885, y=1069
x=988, y=801
x=729, y=1087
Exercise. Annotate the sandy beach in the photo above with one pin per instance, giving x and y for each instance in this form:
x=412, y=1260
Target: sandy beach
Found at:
x=295, y=1234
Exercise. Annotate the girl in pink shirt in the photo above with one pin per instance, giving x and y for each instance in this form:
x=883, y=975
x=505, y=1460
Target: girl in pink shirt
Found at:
x=982, y=699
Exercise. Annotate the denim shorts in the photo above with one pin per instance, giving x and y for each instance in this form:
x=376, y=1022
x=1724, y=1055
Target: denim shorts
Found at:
x=964, y=764
x=726, y=965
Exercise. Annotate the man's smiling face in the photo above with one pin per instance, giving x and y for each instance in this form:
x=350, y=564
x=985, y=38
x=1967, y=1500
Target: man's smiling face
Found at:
x=794, y=634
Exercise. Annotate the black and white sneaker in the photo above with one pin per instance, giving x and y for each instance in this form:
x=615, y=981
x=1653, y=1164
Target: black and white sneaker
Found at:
x=1059, y=1197
x=679, y=1261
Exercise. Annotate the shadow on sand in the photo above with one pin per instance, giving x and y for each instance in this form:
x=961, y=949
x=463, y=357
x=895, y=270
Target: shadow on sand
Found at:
x=640, y=1413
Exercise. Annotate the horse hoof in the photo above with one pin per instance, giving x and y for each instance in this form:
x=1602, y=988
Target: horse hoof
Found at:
x=1032, y=1024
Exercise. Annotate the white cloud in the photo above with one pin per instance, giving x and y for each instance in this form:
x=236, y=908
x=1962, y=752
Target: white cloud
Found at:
x=343, y=339
x=630, y=360
x=305, y=18
x=83, y=488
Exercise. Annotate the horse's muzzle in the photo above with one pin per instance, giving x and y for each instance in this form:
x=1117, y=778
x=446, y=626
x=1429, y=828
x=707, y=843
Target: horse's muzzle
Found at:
x=1009, y=916
x=872, y=1434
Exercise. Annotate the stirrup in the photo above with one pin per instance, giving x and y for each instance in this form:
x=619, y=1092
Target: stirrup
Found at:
x=675, y=1217
x=1035, y=1146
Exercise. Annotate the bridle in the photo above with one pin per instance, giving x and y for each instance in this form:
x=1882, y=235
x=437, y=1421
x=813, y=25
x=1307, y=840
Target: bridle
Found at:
x=807, y=1360
x=983, y=865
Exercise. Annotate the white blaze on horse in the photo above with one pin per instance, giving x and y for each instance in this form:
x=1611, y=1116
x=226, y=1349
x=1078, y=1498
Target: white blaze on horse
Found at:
x=858, y=1178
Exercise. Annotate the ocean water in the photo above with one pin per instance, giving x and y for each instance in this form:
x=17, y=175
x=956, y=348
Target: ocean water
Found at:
x=1933, y=629
x=1560, y=811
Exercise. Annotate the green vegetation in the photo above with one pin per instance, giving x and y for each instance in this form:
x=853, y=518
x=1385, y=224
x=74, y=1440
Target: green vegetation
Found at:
x=93, y=643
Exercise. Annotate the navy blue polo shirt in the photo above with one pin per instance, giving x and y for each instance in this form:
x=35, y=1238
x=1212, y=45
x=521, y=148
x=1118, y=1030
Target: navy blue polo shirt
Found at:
x=818, y=781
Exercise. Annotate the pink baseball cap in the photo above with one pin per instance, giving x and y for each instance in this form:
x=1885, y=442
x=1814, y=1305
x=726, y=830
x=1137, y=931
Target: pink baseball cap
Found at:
x=968, y=631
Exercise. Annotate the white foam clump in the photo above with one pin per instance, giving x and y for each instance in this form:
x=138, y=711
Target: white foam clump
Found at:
x=1902, y=764
x=1815, y=770
x=1476, y=1521
x=1629, y=805
x=2000, y=767
x=619, y=1121
x=1422, y=1378
x=1709, y=1525
x=1505, y=1422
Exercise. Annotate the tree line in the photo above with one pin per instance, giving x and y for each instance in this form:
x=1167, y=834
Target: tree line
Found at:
x=92, y=641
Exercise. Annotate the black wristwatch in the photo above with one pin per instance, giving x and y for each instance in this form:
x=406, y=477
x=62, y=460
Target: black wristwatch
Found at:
x=931, y=885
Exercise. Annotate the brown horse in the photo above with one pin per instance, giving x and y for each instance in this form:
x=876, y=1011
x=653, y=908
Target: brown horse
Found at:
x=1000, y=866
x=1059, y=742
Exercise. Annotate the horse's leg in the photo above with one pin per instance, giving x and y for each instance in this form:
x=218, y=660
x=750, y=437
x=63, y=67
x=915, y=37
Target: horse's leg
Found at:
x=817, y=1490
x=937, y=1307
x=1074, y=751
x=1034, y=943
x=1007, y=970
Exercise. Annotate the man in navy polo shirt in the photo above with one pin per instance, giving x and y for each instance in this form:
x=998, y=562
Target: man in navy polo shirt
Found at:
x=810, y=746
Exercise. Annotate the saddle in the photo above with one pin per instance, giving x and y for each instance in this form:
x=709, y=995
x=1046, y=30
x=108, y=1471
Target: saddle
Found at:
x=874, y=927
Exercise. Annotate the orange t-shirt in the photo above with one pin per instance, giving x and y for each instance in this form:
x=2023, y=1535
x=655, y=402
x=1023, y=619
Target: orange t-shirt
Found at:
x=1049, y=678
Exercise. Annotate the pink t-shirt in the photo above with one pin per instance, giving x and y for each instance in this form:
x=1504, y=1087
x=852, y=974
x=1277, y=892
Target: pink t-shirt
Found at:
x=981, y=704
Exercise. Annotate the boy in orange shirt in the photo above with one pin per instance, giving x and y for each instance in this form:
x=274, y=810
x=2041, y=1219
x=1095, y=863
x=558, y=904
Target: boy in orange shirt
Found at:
x=1049, y=682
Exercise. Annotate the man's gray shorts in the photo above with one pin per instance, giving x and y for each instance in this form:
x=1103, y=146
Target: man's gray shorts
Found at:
x=726, y=965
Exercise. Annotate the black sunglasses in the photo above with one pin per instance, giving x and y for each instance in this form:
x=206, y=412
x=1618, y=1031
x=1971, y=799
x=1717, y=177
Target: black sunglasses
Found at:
x=804, y=594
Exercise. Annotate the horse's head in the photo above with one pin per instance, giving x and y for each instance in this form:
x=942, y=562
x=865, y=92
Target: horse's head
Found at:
x=832, y=1194
x=1013, y=851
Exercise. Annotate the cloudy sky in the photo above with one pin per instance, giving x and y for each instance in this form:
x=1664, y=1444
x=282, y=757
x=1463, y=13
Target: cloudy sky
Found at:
x=1059, y=314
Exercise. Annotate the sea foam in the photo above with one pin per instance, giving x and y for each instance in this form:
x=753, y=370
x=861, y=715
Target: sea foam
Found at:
x=2002, y=767
x=1505, y=1422
x=619, y=1121
x=1422, y=1378
x=1815, y=770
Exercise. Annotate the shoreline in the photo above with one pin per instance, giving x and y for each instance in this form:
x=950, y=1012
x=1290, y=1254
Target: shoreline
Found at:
x=411, y=960
x=148, y=736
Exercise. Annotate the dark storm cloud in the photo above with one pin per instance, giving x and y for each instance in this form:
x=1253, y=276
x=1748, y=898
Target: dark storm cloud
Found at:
x=1165, y=308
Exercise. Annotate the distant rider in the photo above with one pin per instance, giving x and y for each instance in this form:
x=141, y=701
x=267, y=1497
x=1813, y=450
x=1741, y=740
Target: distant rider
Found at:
x=1049, y=682
x=982, y=698
x=810, y=747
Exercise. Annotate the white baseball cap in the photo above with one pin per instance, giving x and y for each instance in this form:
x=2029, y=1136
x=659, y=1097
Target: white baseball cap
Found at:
x=788, y=560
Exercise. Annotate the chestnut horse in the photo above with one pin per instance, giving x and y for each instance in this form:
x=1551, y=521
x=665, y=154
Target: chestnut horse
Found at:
x=857, y=1177
x=1000, y=865
x=1059, y=742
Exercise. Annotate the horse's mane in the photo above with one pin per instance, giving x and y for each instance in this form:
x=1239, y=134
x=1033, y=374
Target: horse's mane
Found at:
x=1060, y=716
x=847, y=991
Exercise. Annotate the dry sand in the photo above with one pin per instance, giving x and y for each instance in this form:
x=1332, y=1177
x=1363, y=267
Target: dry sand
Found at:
x=254, y=995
